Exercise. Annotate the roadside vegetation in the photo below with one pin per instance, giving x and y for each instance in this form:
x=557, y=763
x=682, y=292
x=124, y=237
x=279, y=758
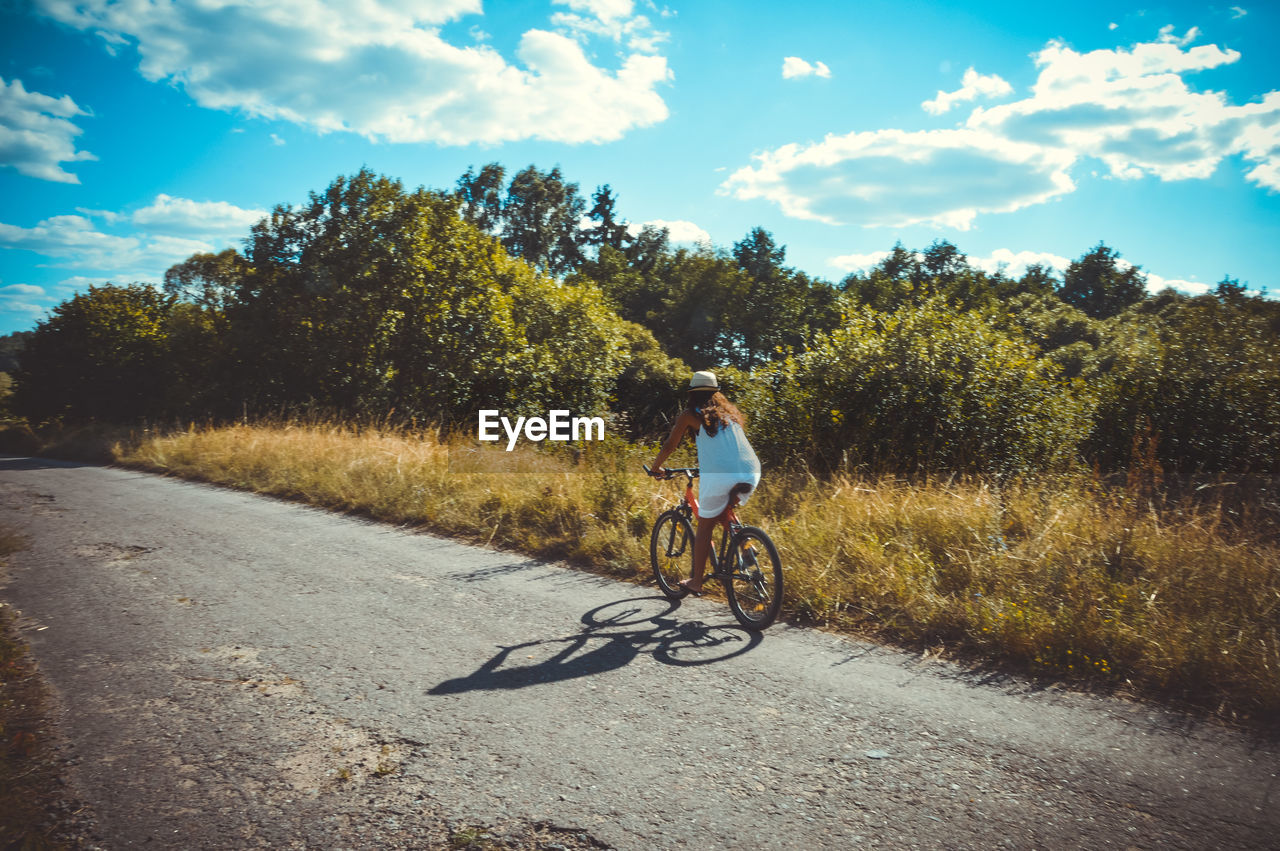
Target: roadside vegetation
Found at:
x=1057, y=472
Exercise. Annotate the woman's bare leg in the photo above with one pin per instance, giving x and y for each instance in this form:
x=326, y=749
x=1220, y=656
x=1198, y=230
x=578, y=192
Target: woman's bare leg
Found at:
x=703, y=541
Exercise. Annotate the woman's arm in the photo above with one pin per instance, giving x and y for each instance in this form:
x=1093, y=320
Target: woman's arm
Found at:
x=684, y=422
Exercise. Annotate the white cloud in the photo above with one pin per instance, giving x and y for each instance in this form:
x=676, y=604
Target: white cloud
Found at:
x=23, y=301
x=383, y=69
x=1015, y=263
x=973, y=86
x=1155, y=284
x=1132, y=109
x=1237, y=12
x=68, y=238
x=165, y=232
x=605, y=10
x=37, y=133
x=794, y=67
x=207, y=218
x=21, y=290
x=1167, y=36
x=898, y=178
x=678, y=230
x=612, y=19
x=857, y=262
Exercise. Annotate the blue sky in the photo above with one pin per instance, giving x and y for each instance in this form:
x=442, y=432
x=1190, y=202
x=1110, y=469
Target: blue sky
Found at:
x=137, y=132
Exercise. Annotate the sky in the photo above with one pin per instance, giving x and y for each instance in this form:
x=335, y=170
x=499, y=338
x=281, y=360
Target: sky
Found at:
x=135, y=133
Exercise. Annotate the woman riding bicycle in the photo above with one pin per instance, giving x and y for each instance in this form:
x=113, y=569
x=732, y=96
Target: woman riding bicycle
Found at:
x=729, y=468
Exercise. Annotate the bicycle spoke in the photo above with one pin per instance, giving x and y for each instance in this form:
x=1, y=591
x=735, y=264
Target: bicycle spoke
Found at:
x=756, y=579
x=671, y=553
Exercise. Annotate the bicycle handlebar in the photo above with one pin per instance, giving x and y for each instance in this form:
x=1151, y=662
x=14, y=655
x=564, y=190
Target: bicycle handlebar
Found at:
x=671, y=472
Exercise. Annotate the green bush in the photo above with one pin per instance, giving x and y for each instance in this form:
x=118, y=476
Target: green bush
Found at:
x=1194, y=382
x=920, y=389
x=103, y=354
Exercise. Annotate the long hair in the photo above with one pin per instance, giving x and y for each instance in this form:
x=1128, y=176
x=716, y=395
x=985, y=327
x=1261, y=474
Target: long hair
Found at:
x=714, y=410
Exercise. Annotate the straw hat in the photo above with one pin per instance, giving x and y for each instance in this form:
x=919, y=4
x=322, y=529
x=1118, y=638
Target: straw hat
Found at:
x=705, y=380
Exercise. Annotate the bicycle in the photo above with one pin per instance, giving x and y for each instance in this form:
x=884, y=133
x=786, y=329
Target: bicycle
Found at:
x=747, y=565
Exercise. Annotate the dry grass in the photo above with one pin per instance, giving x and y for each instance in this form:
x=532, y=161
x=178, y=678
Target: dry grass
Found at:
x=1056, y=577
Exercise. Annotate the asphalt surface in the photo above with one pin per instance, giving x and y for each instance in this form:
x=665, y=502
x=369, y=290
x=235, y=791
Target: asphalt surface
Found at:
x=234, y=671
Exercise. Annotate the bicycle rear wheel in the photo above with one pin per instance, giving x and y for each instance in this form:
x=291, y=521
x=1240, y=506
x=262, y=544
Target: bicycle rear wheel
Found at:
x=671, y=552
x=754, y=582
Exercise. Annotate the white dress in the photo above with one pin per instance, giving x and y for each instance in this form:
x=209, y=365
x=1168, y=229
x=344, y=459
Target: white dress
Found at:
x=724, y=460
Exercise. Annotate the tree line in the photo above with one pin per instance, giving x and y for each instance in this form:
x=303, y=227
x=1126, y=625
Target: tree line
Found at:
x=373, y=300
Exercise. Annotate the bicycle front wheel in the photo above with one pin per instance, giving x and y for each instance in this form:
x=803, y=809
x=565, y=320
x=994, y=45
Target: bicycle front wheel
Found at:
x=755, y=580
x=671, y=552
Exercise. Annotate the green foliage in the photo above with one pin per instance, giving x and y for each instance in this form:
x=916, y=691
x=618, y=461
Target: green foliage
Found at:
x=371, y=300
x=609, y=229
x=700, y=287
x=1064, y=333
x=923, y=388
x=940, y=271
x=635, y=293
x=780, y=308
x=575, y=345
x=1197, y=376
x=6, y=391
x=650, y=389
x=480, y=197
x=541, y=220
x=11, y=346
x=103, y=354
x=207, y=280
x=1100, y=286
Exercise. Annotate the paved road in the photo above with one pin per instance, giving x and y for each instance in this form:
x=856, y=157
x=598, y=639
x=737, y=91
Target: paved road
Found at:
x=234, y=671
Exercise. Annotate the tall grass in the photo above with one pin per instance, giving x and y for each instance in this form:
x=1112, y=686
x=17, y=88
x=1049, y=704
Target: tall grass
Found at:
x=1058, y=577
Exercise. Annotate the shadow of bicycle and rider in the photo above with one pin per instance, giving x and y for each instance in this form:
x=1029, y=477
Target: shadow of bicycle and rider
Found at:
x=613, y=636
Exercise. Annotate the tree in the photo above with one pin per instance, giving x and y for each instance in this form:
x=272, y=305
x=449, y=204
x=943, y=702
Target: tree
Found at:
x=610, y=231
x=648, y=247
x=1066, y=335
x=103, y=354
x=1230, y=290
x=480, y=197
x=541, y=220
x=782, y=308
x=701, y=287
x=892, y=282
x=759, y=255
x=1098, y=285
x=372, y=298
x=209, y=281
x=942, y=264
x=11, y=346
x=1038, y=279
